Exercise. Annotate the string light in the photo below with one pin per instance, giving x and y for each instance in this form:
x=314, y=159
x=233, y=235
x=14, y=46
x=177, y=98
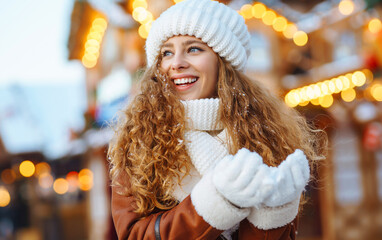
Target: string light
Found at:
x=271, y=18
x=346, y=7
x=300, y=38
x=376, y=91
x=27, y=168
x=144, y=17
x=375, y=25
x=60, y=186
x=5, y=197
x=85, y=179
x=319, y=93
x=93, y=42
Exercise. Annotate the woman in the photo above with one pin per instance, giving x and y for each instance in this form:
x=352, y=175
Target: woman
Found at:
x=204, y=152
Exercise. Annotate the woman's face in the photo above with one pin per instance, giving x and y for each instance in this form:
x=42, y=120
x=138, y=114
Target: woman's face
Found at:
x=192, y=67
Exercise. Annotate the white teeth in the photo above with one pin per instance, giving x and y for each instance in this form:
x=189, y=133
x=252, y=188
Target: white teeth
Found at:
x=179, y=81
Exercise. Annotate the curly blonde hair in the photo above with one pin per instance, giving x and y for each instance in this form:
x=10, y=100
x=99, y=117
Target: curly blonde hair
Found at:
x=148, y=148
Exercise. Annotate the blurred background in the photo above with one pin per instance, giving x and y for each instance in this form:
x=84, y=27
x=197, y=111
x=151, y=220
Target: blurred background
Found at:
x=68, y=66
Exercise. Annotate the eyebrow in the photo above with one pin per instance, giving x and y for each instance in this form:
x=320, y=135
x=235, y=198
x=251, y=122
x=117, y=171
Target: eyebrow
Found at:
x=188, y=42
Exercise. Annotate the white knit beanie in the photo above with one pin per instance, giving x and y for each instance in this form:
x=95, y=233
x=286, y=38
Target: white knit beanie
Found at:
x=216, y=24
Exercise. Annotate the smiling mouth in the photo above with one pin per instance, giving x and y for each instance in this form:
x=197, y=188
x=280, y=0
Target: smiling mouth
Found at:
x=185, y=81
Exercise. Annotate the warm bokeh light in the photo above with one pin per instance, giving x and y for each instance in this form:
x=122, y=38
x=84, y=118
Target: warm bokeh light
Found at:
x=45, y=180
x=8, y=176
x=290, y=30
x=300, y=38
x=60, y=186
x=99, y=23
x=5, y=197
x=258, y=10
x=322, y=91
x=144, y=30
x=149, y=18
x=376, y=91
x=246, y=11
x=27, y=168
x=375, y=25
x=42, y=167
x=140, y=3
x=139, y=14
x=359, y=78
x=87, y=62
x=326, y=101
x=72, y=178
x=346, y=7
x=348, y=95
x=315, y=101
x=93, y=42
x=280, y=24
x=85, y=179
x=268, y=17
x=178, y=1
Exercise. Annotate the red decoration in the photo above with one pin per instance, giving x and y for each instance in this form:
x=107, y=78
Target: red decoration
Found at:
x=372, y=136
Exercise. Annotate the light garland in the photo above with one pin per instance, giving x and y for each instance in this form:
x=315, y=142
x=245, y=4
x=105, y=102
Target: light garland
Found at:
x=279, y=23
x=93, y=42
x=143, y=16
x=321, y=93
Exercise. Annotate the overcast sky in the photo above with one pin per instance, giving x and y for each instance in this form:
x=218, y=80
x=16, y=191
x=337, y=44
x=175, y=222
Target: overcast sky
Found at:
x=33, y=42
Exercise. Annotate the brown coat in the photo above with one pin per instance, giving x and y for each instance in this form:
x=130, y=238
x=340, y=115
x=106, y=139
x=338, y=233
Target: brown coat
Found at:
x=183, y=222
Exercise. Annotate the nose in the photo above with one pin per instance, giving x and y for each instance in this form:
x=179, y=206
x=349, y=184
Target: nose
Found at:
x=179, y=62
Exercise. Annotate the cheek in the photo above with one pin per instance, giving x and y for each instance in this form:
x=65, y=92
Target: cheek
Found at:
x=164, y=66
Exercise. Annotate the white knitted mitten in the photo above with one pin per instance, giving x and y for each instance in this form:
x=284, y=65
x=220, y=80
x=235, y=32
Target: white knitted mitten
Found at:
x=291, y=177
x=247, y=182
x=205, y=151
x=243, y=179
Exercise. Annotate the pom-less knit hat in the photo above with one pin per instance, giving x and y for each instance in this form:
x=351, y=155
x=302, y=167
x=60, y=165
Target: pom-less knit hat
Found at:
x=216, y=24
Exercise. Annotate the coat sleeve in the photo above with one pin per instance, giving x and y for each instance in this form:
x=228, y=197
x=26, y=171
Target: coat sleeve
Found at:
x=248, y=231
x=204, y=214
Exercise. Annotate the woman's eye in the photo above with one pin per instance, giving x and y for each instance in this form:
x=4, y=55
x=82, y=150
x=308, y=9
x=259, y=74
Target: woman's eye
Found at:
x=195, y=49
x=166, y=53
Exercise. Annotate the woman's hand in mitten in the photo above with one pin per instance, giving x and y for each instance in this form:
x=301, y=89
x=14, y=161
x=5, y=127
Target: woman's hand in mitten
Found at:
x=290, y=179
x=243, y=179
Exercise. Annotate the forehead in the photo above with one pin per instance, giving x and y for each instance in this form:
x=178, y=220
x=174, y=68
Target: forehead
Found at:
x=182, y=39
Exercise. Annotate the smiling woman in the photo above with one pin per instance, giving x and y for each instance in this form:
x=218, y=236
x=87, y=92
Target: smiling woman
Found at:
x=204, y=152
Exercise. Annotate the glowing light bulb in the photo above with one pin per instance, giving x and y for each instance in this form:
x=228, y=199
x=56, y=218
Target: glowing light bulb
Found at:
x=326, y=101
x=60, y=186
x=27, y=168
x=258, y=10
x=5, y=197
x=376, y=91
x=139, y=14
x=348, y=95
x=246, y=11
x=269, y=17
x=279, y=24
x=290, y=30
x=140, y=3
x=359, y=78
x=85, y=179
x=375, y=25
x=300, y=38
x=346, y=7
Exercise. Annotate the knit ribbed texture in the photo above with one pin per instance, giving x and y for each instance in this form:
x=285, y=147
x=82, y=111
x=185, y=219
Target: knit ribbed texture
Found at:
x=204, y=150
x=202, y=114
x=216, y=24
